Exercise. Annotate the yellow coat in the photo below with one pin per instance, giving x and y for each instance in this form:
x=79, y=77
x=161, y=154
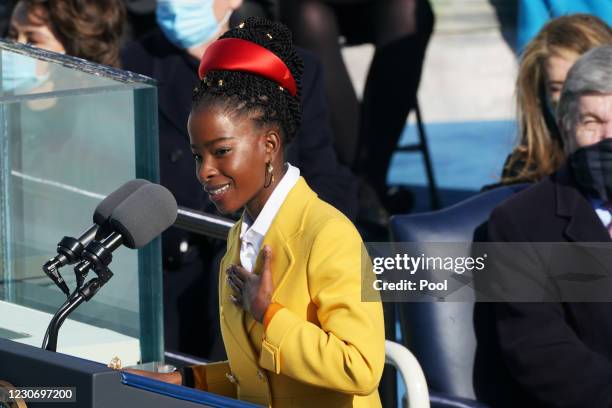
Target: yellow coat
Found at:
x=325, y=348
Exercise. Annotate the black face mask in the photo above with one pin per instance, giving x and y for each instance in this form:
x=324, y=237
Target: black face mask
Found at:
x=592, y=167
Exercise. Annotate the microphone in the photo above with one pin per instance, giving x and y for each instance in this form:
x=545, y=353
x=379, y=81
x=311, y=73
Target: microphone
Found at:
x=69, y=249
x=136, y=221
x=144, y=215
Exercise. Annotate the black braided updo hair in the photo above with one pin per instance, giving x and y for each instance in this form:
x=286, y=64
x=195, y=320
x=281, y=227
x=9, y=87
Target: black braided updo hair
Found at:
x=243, y=92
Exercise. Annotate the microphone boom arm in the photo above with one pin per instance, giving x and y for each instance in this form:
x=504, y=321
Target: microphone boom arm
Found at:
x=80, y=295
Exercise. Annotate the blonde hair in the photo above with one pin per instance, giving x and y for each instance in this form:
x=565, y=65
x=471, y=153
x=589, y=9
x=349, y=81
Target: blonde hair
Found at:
x=540, y=152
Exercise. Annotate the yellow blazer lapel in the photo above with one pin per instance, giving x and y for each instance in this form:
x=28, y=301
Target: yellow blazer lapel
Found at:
x=286, y=227
x=232, y=316
x=282, y=262
x=282, y=257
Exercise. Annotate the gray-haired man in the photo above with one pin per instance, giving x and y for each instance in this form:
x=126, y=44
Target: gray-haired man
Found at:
x=558, y=354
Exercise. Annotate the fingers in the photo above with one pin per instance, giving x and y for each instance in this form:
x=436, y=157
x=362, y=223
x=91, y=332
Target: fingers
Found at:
x=235, y=280
x=239, y=272
x=233, y=285
x=236, y=283
x=267, y=257
x=266, y=273
x=247, y=287
x=232, y=272
x=165, y=377
x=236, y=299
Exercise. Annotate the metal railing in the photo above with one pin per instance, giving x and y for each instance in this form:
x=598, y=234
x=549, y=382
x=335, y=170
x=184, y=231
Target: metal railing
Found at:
x=203, y=223
x=411, y=372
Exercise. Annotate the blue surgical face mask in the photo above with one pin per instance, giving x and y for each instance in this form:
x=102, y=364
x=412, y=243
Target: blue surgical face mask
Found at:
x=187, y=23
x=19, y=73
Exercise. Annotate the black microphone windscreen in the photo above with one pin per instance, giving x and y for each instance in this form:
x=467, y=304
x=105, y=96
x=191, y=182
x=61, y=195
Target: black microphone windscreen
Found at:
x=144, y=215
x=105, y=209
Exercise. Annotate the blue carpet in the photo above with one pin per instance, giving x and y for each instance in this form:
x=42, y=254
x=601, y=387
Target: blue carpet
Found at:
x=465, y=156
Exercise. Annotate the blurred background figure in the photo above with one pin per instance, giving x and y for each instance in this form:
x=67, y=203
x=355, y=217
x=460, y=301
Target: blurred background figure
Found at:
x=141, y=14
x=5, y=15
x=366, y=136
x=88, y=29
x=171, y=55
x=533, y=14
x=542, y=70
x=140, y=18
x=262, y=8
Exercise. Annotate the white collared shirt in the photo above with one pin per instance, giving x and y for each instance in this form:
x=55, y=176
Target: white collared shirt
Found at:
x=602, y=211
x=252, y=233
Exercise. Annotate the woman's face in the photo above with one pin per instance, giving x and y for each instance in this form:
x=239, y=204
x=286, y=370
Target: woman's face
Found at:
x=30, y=26
x=556, y=68
x=231, y=153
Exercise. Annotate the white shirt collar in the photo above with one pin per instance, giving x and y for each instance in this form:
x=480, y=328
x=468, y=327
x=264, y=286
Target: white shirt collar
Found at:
x=602, y=211
x=252, y=232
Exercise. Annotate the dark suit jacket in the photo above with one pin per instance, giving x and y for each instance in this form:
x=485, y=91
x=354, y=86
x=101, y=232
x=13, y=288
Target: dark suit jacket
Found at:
x=552, y=354
x=191, y=290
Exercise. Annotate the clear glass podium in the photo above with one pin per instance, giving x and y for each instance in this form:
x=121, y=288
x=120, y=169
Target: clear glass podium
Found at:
x=71, y=132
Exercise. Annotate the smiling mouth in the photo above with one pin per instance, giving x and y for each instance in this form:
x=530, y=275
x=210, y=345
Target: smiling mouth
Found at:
x=217, y=192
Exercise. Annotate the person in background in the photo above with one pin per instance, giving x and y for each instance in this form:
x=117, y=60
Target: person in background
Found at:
x=140, y=18
x=541, y=74
x=256, y=8
x=171, y=55
x=294, y=326
x=534, y=14
x=367, y=133
x=5, y=15
x=88, y=29
x=141, y=14
x=558, y=353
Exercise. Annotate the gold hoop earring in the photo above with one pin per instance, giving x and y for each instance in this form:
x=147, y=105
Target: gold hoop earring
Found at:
x=269, y=169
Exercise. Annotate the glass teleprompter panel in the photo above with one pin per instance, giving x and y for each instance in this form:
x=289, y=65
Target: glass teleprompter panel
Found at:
x=71, y=132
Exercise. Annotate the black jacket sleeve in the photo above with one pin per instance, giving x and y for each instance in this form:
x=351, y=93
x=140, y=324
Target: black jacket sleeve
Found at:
x=312, y=150
x=541, y=349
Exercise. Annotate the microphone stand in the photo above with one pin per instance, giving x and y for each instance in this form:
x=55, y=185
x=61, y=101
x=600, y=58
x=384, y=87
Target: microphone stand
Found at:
x=69, y=251
x=99, y=262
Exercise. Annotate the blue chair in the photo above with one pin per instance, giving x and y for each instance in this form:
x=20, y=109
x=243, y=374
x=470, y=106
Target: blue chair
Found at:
x=441, y=335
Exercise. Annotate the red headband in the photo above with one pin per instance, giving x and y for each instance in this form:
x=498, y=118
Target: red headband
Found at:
x=234, y=54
